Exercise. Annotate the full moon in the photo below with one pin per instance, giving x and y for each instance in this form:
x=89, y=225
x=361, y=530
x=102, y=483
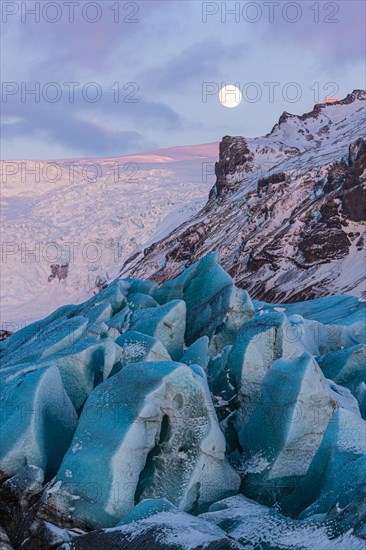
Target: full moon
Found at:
x=230, y=96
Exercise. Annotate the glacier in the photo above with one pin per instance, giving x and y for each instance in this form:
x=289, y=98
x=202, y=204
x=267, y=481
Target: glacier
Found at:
x=186, y=414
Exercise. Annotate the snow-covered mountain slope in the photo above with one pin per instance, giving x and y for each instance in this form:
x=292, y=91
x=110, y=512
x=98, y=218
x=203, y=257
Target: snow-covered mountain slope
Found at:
x=287, y=211
x=89, y=219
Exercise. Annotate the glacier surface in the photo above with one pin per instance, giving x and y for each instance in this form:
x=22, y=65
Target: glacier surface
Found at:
x=186, y=414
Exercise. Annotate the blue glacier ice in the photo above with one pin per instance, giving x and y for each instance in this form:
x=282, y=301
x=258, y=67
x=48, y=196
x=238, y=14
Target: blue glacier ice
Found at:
x=344, y=398
x=218, y=377
x=166, y=322
x=147, y=508
x=239, y=310
x=209, y=293
x=280, y=437
x=155, y=427
x=120, y=321
x=51, y=339
x=139, y=347
x=148, y=405
x=139, y=286
x=141, y=301
x=338, y=310
x=330, y=323
x=26, y=333
x=115, y=294
x=347, y=367
x=37, y=421
x=197, y=353
x=337, y=471
x=82, y=366
x=259, y=343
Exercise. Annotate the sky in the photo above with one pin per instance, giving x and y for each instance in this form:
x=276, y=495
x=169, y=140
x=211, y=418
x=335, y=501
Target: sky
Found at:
x=107, y=78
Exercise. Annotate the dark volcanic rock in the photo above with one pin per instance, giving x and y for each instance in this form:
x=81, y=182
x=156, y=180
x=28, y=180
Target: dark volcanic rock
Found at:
x=19, y=506
x=4, y=334
x=321, y=246
x=17, y=497
x=59, y=271
x=325, y=239
x=4, y=540
x=233, y=154
x=354, y=196
x=265, y=183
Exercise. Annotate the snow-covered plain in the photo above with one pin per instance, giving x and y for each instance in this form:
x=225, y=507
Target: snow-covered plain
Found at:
x=91, y=214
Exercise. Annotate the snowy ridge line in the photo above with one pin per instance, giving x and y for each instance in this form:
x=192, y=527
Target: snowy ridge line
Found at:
x=297, y=232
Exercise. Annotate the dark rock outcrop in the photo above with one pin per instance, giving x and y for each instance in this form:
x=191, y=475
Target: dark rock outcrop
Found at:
x=58, y=271
x=234, y=155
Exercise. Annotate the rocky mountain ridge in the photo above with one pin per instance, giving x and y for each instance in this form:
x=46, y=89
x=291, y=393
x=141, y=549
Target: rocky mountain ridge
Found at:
x=287, y=211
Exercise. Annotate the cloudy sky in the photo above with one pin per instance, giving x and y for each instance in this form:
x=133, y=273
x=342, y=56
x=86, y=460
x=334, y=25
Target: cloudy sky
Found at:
x=115, y=77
